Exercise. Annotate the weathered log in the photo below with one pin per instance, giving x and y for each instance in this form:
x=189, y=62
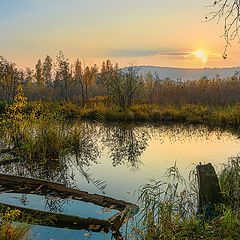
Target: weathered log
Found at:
x=209, y=190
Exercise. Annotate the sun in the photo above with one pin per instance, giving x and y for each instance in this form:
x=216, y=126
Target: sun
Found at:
x=201, y=55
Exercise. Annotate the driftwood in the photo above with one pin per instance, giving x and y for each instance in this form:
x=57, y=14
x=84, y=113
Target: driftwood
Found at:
x=16, y=184
x=209, y=189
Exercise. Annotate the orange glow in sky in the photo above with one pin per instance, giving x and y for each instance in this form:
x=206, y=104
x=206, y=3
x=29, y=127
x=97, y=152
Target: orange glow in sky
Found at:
x=142, y=32
x=201, y=55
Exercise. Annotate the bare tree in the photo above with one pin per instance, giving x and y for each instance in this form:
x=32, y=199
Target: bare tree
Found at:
x=125, y=87
x=78, y=77
x=107, y=73
x=38, y=73
x=229, y=12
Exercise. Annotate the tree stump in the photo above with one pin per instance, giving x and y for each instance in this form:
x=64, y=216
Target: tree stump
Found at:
x=209, y=190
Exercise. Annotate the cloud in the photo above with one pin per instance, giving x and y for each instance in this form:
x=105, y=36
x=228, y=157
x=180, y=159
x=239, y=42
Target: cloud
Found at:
x=189, y=54
x=131, y=52
x=173, y=53
x=146, y=52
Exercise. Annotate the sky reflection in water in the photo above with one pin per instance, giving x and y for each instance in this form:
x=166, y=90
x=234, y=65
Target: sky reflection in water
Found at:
x=122, y=158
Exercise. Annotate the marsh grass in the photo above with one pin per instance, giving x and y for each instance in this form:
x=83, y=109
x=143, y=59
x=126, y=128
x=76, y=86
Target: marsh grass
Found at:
x=217, y=115
x=42, y=136
x=33, y=133
x=43, y=139
x=229, y=180
x=228, y=115
x=169, y=209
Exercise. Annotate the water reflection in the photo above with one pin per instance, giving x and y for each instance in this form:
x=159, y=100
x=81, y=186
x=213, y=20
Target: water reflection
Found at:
x=126, y=143
x=85, y=152
x=51, y=204
x=123, y=143
x=86, y=149
x=188, y=133
x=105, y=154
x=58, y=171
x=56, y=205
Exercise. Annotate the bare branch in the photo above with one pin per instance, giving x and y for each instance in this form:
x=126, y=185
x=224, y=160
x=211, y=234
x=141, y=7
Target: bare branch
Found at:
x=229, y=12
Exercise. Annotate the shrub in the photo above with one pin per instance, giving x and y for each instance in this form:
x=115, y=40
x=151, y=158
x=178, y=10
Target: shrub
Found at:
x=3, y=107
x=195, y=113
x=10, y=231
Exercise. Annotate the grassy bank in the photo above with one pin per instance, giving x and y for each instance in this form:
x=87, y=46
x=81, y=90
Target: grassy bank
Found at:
x=38, y=131
x=188, y=113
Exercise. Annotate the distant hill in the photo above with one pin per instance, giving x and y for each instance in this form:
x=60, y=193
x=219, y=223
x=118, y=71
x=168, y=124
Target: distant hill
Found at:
x=188, y=73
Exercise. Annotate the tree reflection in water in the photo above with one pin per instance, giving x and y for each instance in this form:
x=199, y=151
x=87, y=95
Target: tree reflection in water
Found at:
x=51, y=204
x=126, y=144
x=84, y=152
x=187, y=133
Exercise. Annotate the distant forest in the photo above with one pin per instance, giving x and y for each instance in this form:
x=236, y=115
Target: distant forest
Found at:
x=61, y=81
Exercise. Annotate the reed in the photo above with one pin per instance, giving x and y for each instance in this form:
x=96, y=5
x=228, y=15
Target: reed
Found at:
x=168, y=209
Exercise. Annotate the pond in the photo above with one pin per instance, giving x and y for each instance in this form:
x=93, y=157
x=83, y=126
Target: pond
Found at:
x=116, y=159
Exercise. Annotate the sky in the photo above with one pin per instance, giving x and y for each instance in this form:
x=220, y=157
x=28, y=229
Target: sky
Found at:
x=140, y=32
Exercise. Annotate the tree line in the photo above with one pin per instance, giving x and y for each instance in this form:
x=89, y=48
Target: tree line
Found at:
x=61, y=81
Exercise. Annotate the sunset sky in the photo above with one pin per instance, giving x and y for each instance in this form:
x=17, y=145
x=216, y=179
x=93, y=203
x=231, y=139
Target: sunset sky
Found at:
x=141, y=32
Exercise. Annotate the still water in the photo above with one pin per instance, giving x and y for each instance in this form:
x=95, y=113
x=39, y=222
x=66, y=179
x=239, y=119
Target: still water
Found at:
x=116, y=159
